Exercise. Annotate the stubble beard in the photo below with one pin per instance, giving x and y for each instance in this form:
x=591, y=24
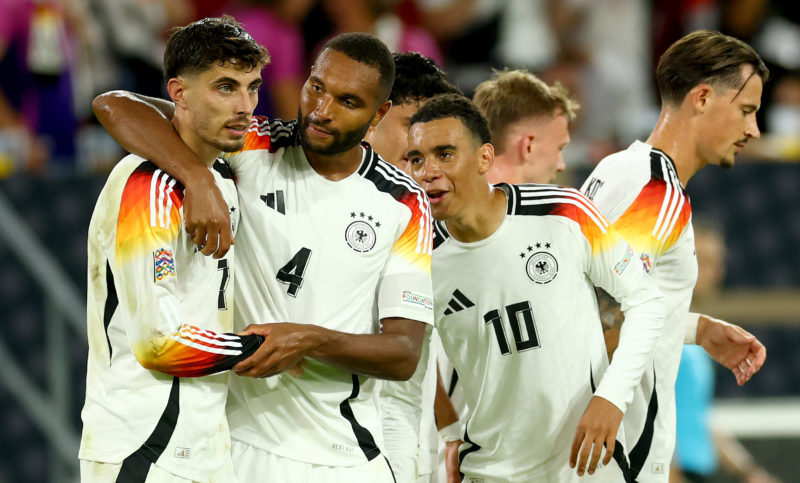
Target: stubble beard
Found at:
x=229, y=147
x=341, y=141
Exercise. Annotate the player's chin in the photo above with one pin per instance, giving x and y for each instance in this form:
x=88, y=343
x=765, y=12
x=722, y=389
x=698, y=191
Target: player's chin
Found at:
x=315, y=146
x=231, y=145
x=726, y=163
x=440, y=211
x=438, y=214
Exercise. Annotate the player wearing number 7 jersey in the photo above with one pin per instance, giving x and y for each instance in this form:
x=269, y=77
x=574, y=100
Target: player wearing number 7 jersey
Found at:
x=160, y=313
x=514, y=268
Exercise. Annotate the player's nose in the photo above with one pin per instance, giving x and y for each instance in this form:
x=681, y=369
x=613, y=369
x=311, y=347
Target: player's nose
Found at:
x=751, y=128
x=323, y=110
x=430, y=170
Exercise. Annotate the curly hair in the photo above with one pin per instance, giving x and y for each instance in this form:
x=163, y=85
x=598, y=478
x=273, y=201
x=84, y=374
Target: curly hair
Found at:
x=218, y=40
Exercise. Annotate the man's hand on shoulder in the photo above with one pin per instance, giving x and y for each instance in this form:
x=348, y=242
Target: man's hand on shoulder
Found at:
x=733, y=347
x=207, y=217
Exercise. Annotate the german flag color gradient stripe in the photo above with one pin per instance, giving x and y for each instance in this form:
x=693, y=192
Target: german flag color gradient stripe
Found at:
x=569, y=203
x=149, y=212
x=193, y=352
x=270, y=134
x=415, y=244
x=656, y=218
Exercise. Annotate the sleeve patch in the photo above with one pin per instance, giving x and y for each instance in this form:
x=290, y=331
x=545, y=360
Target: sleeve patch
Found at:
x=624, y=262
x=163, y=264
x=410, y=297
x=647, y=263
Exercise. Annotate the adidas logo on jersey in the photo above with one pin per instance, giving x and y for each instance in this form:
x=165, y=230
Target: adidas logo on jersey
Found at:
x=275, y=201
x=184, y=453
x=458, y=303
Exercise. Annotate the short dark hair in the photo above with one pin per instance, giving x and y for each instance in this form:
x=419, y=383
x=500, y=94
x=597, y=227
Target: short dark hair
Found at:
x=215, y=40
x=368, y=50
x=705, y=56
x=459, y=107
x=418, y=78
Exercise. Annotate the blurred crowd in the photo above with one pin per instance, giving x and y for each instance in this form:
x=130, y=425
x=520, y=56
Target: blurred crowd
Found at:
x=56, y=55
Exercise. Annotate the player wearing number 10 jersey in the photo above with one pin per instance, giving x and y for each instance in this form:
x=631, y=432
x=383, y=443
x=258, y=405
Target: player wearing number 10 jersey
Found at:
x=514, y=268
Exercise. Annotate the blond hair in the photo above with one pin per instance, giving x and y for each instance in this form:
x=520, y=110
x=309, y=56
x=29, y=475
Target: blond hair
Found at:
x=512, y=95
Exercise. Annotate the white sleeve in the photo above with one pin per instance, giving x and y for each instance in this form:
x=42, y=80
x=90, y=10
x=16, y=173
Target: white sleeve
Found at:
x=405, y=287
x=401, y=412
x=616, y=268
x=146, y=270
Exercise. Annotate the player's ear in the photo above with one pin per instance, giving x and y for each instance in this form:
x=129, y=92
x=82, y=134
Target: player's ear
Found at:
x=700, y=96
x=176, y=88
x=486, y=158
x=526, y=147
x=383, y=109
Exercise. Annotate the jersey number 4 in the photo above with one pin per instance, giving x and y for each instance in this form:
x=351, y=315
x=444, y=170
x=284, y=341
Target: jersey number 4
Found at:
x=292, y=273
x=520, y=315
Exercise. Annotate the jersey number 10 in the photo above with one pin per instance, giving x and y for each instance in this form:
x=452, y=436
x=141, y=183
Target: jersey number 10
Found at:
x=519, y=315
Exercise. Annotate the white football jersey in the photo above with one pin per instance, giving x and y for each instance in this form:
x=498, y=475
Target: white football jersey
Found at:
x=638, y=190
x=518, y=318
x=339, y=254
x=158, y=314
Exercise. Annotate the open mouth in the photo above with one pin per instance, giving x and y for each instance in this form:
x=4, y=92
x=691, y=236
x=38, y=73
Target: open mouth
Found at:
x=435, y=196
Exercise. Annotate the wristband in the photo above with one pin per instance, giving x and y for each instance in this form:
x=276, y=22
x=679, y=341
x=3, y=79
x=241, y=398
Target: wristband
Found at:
x=690, y=334
x=451, y=433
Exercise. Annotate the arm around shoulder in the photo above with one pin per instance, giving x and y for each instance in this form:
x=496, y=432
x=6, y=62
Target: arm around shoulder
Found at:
x=141, y=125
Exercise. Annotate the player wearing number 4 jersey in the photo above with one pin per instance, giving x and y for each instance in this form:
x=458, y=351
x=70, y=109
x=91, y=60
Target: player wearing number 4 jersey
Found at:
x=710, y=86
x=329, y=243
x=160, y=313
x=514, y=268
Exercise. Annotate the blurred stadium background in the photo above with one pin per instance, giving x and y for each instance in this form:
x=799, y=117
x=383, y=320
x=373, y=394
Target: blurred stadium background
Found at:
x=55, y=55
